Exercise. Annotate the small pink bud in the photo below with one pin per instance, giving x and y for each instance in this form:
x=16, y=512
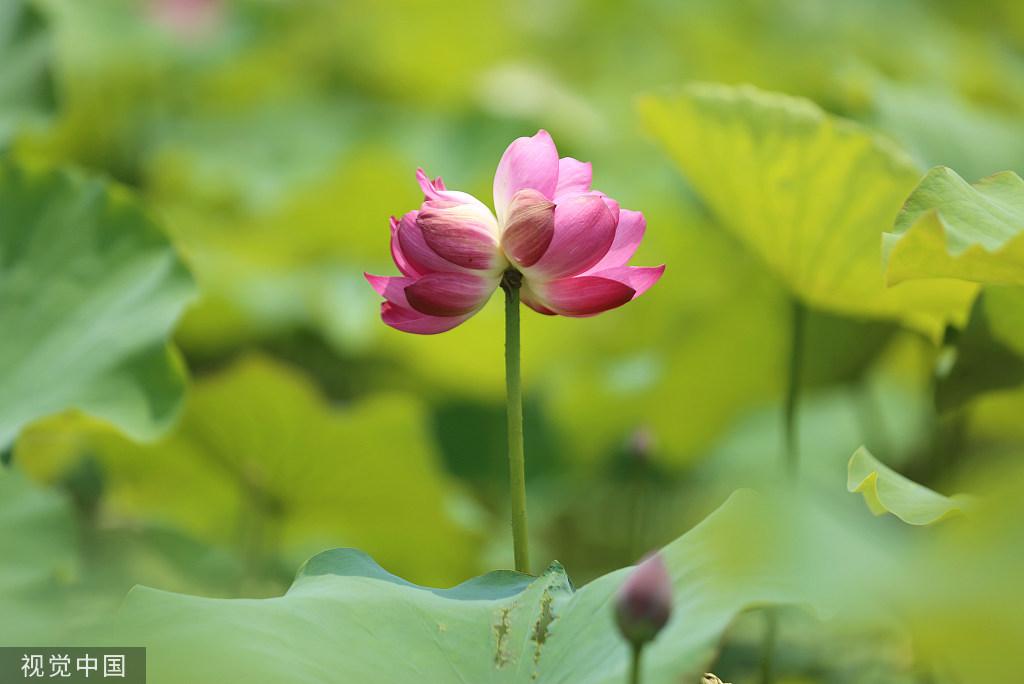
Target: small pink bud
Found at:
x=644, y=602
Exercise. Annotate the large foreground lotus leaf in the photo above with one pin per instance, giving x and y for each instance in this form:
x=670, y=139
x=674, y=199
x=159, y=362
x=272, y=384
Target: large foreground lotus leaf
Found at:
x=26, y=87
x=809, y=193
x=886, y=491
x=347, y=620
x=949, y=228
x=90, y=290
x=261, y=462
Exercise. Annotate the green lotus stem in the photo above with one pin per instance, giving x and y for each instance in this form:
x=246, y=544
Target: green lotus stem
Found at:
x=768, y=639
x=796, y=352
x=516, y=459
x=634, y=665
x=790, y=464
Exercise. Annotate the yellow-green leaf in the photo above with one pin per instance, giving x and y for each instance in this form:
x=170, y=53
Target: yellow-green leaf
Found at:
x=949, y=228
x=886, y=491
x=90, y=290
x=262, y=463
x=810, y=193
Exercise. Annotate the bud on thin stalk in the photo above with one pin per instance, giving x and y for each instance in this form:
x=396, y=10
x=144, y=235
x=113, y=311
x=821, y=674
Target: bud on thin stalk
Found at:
x=643, y=606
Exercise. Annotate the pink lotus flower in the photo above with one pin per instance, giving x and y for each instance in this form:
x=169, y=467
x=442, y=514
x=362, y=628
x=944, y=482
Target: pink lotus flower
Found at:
x=567, y=243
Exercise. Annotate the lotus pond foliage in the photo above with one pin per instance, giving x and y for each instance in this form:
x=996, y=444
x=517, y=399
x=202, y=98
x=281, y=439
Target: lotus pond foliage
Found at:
x=795, y=458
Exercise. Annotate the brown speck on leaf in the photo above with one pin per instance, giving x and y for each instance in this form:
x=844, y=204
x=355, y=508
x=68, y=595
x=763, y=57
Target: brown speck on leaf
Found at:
x=501, y=630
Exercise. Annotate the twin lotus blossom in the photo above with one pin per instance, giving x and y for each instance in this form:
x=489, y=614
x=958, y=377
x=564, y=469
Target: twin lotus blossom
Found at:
x=567, y=245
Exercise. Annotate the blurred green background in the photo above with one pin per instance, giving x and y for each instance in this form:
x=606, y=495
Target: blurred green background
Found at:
x=273, y=139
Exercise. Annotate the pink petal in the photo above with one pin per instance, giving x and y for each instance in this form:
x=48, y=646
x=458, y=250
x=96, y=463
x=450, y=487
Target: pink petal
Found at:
x=527, y=296
x=417, y=253
x=613, y=207
x=527, y=163
x=574, y=177
x=460, y=233
x=435, y=190
x=584, y=230
x=396, y=252
x=411, y=321
x=639, y=278
x=529, y=228
x=628, y=234
x=585, y=295
x=449, y=294
x=391, y=288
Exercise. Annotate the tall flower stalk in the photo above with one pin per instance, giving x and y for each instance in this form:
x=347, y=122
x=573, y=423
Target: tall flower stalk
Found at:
x=552, y=242
x=514, y=396
x=790, y=462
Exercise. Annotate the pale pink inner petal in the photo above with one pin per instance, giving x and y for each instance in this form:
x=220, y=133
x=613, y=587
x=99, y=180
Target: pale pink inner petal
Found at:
x=449, y=294
x=628, y=234
x=529, y=228
x=530, y=299
x=460, y=233
x=435, y=190
x=584, y=295
x=527, y=163
x=574, y=177
x=584, y=230
x=391, y=288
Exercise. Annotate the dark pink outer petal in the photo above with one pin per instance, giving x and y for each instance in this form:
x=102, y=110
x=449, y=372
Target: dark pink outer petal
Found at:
x=585, y=295
x=574, y=177
x=418, y=255
x=411, y=321
x=449, y=294
x=527, y=163
x=398, y=313
x=584, y=231
x=396, y=252
x=459, y=233
x=628, y=234
x=639, y=278
x=529, y=228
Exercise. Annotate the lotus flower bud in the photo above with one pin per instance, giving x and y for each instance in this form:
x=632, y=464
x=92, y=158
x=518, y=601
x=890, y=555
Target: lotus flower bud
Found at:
x=644, y=602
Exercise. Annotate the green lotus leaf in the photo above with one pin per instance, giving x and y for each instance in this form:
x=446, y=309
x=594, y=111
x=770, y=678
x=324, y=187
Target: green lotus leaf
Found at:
x=809, y=193
x=263, y=464
x=90, y=290
x=949, y=228
x=886, y=491
x=37, y=557
x=989, y=352
x=346, y=619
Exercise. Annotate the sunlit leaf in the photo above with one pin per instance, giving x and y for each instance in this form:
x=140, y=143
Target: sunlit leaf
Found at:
x=949, y=228
x=886, y=491
x=90, y=290
x=809, y=193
